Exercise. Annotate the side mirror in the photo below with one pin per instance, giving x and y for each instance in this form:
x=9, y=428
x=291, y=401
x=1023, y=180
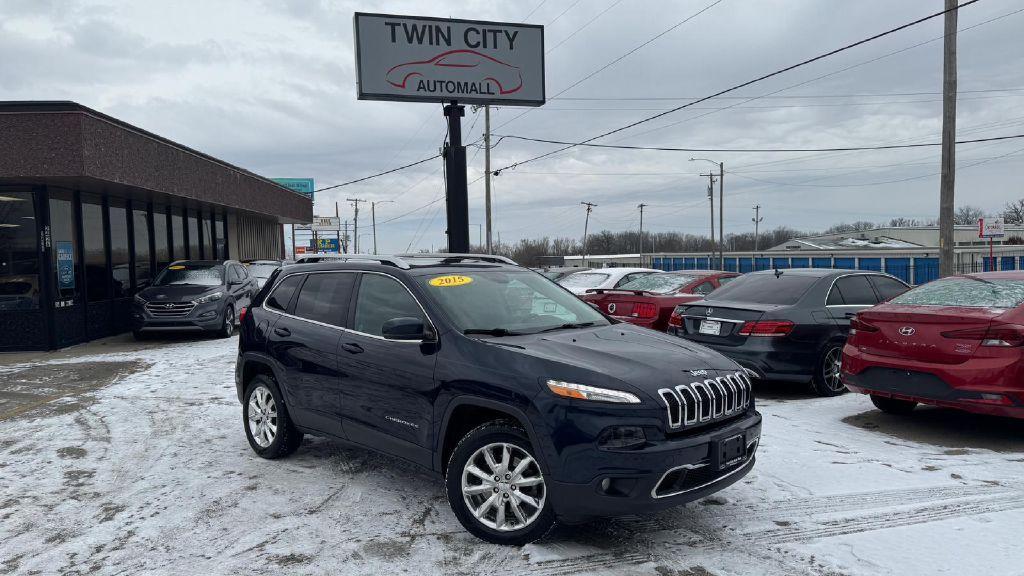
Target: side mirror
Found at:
x=404, y=328
x=234, y=282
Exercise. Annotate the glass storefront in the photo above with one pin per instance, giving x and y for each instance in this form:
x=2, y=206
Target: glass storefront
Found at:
x=178, y=234
x=207, y=228
x=64, y=237
x=120, y=256
x=193, y=236
x=163, y=252
x=19, y=262
x=218, y=228
x=140, y=221
x=97, y=280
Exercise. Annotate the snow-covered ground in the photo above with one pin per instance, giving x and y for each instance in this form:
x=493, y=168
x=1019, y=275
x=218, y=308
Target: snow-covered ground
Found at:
x=152, y=474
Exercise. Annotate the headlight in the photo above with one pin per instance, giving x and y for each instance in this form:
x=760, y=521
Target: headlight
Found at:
x=209, y=298
x=139, y=300
x=584, y=392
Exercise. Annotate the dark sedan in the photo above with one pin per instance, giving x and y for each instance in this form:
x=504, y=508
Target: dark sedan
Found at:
x=787, y=324
x=194, y=295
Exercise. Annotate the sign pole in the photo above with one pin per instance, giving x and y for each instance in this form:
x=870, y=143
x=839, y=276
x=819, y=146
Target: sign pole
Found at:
x=456, y=190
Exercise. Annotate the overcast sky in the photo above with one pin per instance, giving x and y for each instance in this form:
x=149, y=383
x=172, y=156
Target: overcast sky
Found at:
x=270, y=86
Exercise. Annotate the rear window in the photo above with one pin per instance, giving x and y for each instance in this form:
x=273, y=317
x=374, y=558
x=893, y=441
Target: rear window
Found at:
x=583, y=280
x=660, y=283
x=765, y=289
x=965, y=291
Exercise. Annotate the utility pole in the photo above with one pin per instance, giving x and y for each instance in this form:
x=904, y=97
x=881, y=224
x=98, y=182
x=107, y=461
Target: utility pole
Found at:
x=355, y=223
x=721, y=216
x=641, y=207
x=756, y=220
x=586, y=224
x=487, y=173
x=711, y=199
x=344, y=240
x=373, y=220
x=948, y=175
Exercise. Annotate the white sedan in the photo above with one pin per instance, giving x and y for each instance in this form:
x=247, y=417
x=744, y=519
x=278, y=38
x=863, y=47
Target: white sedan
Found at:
x=580, y=282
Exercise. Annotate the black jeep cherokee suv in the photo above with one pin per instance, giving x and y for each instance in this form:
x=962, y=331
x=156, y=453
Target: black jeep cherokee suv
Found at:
x=532, y=405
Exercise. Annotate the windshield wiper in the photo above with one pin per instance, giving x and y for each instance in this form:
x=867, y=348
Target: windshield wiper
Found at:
x=492, y=331
x=568, y=326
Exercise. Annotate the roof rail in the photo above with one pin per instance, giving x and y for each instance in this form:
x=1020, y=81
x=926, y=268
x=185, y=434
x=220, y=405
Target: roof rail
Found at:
x=390, y=260
x=456, y=257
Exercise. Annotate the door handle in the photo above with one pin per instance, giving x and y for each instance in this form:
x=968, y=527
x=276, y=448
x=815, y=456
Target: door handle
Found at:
x=850, y=315
x=282, y=332
x=352, y=347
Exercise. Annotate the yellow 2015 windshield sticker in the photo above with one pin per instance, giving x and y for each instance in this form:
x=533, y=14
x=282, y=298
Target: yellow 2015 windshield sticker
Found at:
x=175, y=267
x=446, y=281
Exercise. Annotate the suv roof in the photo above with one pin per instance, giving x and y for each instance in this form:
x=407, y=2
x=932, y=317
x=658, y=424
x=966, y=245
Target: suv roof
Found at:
x=408, y=261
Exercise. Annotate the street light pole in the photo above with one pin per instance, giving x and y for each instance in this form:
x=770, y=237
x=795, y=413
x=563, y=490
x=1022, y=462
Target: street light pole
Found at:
x=373, y=220
x=586, y=224
x=355, y=221
x=721, y=209
x=641, y=207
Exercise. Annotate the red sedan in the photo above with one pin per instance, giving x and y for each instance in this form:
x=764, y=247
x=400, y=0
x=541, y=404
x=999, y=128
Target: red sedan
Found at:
x=956, y=342
x=649, y=300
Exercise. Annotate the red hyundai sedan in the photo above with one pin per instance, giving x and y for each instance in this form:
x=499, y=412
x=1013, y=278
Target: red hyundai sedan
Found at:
x=649, y=300
x=956, y=342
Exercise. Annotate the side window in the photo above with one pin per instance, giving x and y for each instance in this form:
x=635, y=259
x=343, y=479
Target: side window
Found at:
x=835, y=297
x=380, y=299
x=236, y=273
x=726, y=279
x=325, y=298
x=243, y=274
x=887, y=287
x=856, y=290
x=629, y=278
x=282, y=295
x=704, y=288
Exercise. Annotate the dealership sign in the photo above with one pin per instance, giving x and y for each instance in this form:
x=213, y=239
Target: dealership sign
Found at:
x=443, y=60
x=991, y=228
x=303, y=186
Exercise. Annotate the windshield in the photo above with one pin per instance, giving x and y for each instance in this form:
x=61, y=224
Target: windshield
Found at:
x=193, y=274
x=660, y=283
x=503, y=301
x=965, y=291
x=262, y=270
x=765, y=288
x=583, y=280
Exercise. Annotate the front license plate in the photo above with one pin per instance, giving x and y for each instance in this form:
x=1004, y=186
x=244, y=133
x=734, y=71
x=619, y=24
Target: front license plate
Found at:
x=731, y=450
x=710, y=327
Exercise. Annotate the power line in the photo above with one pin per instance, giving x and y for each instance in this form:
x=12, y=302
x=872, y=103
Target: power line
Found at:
x=768, y=106
x=584, y=26
x=758, y=150
x=364, y=178
x=771, y=96
x=745, y=84
x=535, y=8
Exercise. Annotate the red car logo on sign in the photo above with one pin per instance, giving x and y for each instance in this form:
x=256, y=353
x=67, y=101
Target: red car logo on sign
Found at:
x=457, y=72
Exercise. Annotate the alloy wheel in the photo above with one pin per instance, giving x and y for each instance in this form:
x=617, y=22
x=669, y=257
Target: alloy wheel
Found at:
x=262, y=416
x=831, y=369
x=229, y=321
x=503, y=487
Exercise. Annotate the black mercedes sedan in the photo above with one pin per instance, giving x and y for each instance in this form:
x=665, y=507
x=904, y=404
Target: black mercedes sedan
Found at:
x=787, y=325
x=199, y=295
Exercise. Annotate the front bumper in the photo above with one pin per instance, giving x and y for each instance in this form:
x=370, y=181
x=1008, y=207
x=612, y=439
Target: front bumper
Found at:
x=980, y=385
x=208, y=317
x=664, y=474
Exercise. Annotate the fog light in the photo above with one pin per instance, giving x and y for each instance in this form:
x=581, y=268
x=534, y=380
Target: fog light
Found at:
x=606, y=484
x=621, y=437
x=208, y=314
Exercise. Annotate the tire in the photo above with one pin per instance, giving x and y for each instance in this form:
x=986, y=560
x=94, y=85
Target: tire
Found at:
x=515, y=514
x=278, y=437
x=827, y=379
x=893, y=405
x=227, y=328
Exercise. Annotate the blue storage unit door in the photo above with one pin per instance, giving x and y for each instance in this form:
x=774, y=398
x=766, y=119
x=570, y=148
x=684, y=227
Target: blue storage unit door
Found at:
x=870, y=264
x=988, y=264
x=677, y=263
x=898, y=267
x=925, y=270
x=821, y=262
x=846, y=263
x=780, y=263
x=762, y=263
x=730, y=264
x=702, y=264
x=746, y=265
x=1008, y=263
x=689, y=263
x=799, y=263
x=656, y=263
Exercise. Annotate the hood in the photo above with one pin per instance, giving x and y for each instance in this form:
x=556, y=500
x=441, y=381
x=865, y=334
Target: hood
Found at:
x=643, y=358
x=176, y=292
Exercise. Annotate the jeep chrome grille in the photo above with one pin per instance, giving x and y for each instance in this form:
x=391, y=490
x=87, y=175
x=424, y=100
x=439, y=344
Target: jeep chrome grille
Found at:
x=700, y=402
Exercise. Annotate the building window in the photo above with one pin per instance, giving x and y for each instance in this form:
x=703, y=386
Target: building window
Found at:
x=19, y=261
x=120, y=258
x=178, y=233
x=64, y=237
x=220, y=241
x=163, y=252
x=140, y=223
x=97, y=279
x=207, y=229
x=193, y=236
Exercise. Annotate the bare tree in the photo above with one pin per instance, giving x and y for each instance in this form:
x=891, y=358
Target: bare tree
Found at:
x=967, y=214
x=1013, y=212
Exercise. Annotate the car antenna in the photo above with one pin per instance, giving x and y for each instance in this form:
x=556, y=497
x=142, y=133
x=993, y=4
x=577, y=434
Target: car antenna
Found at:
x=778, y=272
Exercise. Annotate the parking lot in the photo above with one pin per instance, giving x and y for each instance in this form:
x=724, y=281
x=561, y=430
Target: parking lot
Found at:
x=117, y=457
